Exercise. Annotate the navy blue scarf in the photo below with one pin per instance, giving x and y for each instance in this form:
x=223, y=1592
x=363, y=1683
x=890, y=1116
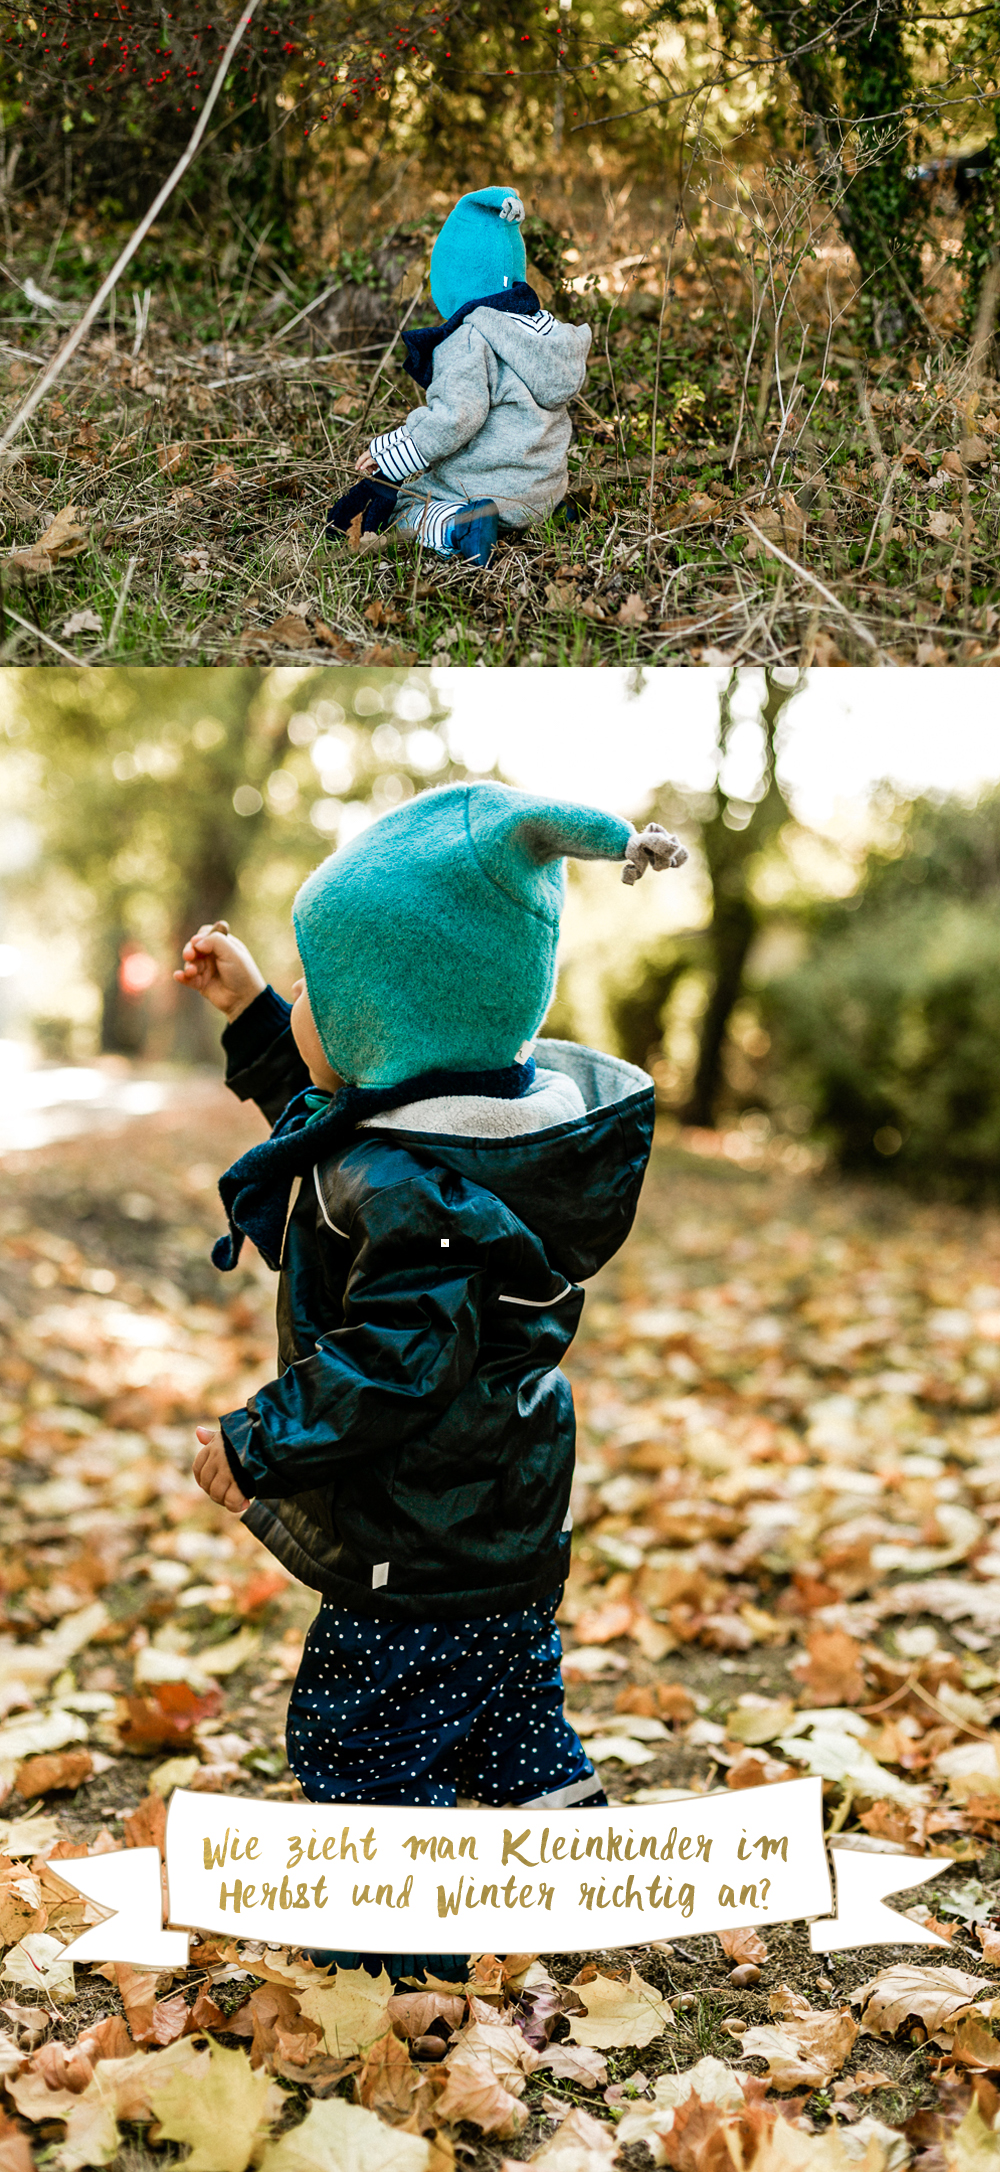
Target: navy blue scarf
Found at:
x=421, y=343
x=256, y=1190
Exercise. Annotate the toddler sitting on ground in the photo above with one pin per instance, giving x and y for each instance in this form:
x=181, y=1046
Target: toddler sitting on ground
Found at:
x=488, y=451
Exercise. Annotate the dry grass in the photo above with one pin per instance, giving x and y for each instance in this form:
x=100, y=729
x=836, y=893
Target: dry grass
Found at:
x=857, y=523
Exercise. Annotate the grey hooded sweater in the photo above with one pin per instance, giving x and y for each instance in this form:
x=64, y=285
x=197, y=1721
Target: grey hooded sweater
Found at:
x=495, y=424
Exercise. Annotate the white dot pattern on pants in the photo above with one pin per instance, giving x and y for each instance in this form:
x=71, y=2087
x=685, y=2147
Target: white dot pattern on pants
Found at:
x=418, y=1712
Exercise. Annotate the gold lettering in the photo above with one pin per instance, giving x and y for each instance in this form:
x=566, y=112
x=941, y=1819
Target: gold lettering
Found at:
x=512, y=1845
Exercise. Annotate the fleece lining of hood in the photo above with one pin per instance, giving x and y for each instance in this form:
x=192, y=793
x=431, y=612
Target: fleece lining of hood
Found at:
x=553, y=1099
x=574, y=1183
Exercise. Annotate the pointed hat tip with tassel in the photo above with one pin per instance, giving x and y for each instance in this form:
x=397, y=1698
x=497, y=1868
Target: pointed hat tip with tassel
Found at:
x=652, y=847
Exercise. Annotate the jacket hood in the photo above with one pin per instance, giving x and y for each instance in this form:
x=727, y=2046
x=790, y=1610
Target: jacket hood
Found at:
x=548, y=356
x=421, y=340
x=576, y=1182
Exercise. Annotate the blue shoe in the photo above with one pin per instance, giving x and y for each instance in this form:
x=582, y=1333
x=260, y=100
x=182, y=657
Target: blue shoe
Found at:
x=472, y=534
x=374, y=500
x=453, y=1967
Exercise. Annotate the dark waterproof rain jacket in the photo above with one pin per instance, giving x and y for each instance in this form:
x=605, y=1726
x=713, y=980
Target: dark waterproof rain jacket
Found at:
x=415, y=1456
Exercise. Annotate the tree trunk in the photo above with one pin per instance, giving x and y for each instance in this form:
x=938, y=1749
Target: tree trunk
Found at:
x=734, y=925
x=878, y=211
x=730, y=844
x=981, y=253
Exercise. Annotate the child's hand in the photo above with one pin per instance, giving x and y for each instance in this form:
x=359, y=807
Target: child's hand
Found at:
x=366, y=465
x=222, y=970
x=211, y=1469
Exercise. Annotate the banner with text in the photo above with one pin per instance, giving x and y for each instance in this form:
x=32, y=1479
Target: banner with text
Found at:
x=382, y=1879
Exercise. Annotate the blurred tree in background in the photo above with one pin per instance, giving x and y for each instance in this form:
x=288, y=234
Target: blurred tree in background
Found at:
x=170, y=798
x=732, y=831
x=854, y=999
x=888, y=1029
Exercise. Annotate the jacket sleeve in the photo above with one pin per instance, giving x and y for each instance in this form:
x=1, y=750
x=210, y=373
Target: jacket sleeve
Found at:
x=262, y=1061
x=407, y=1348
x=458, y=399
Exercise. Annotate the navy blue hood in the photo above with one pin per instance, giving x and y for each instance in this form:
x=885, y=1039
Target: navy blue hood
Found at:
x=575, y=1185
x=421, y=342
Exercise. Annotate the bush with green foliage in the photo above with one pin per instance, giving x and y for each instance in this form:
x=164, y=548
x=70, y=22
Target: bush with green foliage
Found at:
x=889, y=1029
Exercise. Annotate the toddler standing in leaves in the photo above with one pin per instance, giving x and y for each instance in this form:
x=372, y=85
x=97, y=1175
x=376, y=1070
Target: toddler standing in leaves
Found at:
x=489, y=448
x=413, y=1461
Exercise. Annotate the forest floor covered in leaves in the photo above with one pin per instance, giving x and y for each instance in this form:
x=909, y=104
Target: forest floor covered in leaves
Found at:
x=788, y=1391
x=826, y=504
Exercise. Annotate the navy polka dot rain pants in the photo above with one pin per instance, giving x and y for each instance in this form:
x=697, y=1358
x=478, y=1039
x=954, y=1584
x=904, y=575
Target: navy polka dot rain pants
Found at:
x=422, y=1712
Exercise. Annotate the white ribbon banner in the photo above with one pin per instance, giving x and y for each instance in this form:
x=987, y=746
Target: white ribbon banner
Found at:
x=375, y=1879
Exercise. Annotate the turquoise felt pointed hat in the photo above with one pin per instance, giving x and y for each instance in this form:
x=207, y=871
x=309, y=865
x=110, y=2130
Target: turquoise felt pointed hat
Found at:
x=429, y=941
x=479, y=250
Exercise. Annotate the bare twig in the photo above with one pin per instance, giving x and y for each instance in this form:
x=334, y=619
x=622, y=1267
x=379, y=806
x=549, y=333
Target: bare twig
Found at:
x=120, y=605
x=132, y=246
x=66, y=654
x=383, y=359
x=307, y=311
x=141, y=308
x=811, y=582
x=656, y=374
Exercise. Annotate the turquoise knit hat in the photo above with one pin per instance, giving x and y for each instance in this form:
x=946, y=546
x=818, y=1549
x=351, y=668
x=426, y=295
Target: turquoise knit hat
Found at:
x=479, y=250
x=429, y=941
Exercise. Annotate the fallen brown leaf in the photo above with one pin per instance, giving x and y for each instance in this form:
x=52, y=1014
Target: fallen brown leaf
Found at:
x=150, y=2021
x=15, y=2148
x=906, y=1992
x=974, y=2044
x=756, y=1769
x=619, y=2014
x=22, y=1909
x=579, y=2063
x=64, y=2066
x=66, y=535
x=412, y=2012
x=389, y=657
x=744, y=1945
x=146, y=1825
x=579, y=2144
x=390, y=2084
x=805, y=2046
x=170, y=458
x=166, y=1718
x=277, y=2023
x=473, y=2092
x=831, y=1672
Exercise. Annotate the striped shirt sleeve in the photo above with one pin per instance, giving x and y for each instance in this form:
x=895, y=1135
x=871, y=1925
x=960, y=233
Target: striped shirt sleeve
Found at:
x=396, y=456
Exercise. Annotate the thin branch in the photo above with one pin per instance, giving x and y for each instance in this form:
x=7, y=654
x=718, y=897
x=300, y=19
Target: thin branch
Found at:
x=383, y=359
x=132, y=246
x=36, y=631
x=811, y=582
